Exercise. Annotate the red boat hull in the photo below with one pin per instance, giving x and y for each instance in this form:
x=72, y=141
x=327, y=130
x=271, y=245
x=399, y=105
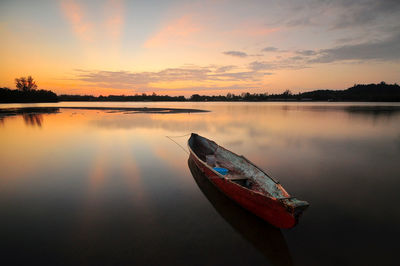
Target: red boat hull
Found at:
x=269, y=209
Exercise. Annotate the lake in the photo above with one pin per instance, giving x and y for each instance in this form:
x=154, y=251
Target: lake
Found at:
x=107, y=187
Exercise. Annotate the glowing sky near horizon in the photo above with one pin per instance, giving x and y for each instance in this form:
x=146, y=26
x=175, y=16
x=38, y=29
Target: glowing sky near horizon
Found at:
x=208, y=47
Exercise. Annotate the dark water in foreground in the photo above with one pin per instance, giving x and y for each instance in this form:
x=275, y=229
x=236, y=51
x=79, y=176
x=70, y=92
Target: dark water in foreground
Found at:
x=98, y=187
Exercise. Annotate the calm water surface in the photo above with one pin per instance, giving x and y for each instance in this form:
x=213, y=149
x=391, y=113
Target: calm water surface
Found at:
x=98, y=187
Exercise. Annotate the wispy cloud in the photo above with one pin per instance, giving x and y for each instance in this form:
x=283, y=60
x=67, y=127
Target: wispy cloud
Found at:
x=364, y=12
x=261, y=65
x=178, y=30
x=75, y=14
x=300, y=22
x=270, y=49
x=290, y=62
x=387, y=49
x=110, y=26
x=236, y=53
x=384, y=50
x=222, y=69
x=306, y=52
x=339, y=15
x=114, y=20
x=129, y=80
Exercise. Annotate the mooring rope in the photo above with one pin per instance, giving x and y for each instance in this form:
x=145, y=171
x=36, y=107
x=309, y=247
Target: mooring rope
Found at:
x=170, y=137
x=188, y=134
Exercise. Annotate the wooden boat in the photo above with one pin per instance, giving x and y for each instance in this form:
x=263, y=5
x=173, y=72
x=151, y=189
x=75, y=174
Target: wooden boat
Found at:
x=246, y=183
x=265, y=237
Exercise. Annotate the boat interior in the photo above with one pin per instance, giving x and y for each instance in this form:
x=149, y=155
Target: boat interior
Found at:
x=240, y=170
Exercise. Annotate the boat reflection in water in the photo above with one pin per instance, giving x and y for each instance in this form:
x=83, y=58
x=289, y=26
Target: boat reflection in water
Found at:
x=264, y=237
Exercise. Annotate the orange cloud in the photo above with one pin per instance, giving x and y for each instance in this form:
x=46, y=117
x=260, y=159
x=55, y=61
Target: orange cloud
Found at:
x=115, y=18
x=178, y=30
x=75, y=15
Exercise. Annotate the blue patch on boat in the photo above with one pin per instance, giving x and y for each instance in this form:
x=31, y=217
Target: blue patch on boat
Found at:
x=222, y=171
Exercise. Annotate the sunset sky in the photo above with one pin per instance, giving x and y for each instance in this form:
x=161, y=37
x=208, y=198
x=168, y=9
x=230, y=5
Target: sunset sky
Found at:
x=206, y=47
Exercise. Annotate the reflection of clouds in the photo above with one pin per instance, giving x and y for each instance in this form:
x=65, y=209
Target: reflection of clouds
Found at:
x=97, y=176
x=262, y=122
x=285, y=137
x=139, y=190
x=114, y=178
x=165, y=156
x=133, y=176
x=146, y=122
x=294, y=142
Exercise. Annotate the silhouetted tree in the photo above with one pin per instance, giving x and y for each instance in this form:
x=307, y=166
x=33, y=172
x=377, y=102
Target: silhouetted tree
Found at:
x=287, y=93
x=25, y=83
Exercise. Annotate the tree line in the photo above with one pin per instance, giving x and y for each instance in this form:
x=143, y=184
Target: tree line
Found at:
x=122, y=98
x=27, y=92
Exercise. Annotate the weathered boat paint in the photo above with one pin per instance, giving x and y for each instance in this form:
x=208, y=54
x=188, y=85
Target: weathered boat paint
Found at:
x=266, y=198
x=265, y=237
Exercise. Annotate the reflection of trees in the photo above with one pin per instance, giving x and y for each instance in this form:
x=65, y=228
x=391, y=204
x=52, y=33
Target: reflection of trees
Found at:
x=374, y=110
x=33, y=116
x=33, y=119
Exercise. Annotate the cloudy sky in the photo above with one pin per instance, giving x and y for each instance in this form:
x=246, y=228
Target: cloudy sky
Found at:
x=209, y=47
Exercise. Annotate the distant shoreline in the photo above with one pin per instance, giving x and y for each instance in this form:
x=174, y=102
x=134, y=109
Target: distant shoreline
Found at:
x=30, y=112
x=381, y=92
x=7, y=112
x=215, y=101
x=152, y=110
